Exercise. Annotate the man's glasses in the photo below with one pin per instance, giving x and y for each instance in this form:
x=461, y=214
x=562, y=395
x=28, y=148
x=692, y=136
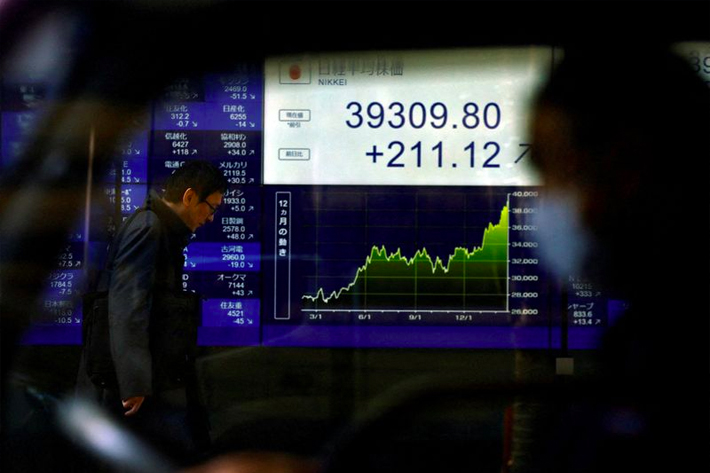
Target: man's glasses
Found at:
x=212, y=209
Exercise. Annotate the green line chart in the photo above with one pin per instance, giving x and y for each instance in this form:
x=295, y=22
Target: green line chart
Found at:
x=474, y=280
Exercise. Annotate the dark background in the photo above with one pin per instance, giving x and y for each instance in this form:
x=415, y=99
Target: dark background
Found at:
x=300, y=400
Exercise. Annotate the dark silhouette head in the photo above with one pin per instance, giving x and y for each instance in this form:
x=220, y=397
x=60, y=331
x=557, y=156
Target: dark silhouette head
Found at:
x=625, y=130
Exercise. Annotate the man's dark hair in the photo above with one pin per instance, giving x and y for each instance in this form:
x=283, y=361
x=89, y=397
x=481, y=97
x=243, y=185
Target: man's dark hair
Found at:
x=201, y=176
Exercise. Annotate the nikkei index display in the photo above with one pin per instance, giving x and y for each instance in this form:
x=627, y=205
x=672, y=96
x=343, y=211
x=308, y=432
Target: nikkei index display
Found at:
x=401, y=200
x=376, y=199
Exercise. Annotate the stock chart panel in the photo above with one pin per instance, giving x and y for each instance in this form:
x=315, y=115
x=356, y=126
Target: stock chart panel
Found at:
x=57, y=319
x=376, y=199
x=218, y=118
x=400, y=202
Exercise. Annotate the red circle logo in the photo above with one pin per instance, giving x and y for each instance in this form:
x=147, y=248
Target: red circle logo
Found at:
x=294, y=72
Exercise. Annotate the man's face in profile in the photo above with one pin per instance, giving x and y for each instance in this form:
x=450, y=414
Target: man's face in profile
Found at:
x=198, y=212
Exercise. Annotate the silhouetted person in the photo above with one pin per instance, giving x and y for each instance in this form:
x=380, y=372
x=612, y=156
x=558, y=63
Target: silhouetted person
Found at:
x=623, y=134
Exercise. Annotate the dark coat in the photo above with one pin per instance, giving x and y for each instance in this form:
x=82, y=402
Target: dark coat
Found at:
x=151, y=322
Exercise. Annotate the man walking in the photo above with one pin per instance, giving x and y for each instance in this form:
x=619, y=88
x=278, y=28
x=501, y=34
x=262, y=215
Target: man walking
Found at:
x=140, y=332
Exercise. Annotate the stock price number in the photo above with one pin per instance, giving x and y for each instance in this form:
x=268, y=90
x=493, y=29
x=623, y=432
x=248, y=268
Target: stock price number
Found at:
x=700, y=63
x=418, y=115
x=399, y=155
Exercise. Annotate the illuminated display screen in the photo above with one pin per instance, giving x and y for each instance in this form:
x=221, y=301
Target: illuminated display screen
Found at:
x=376, y=199
x=424, y=119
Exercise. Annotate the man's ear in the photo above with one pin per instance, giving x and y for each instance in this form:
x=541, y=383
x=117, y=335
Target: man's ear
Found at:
x=189, y=197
